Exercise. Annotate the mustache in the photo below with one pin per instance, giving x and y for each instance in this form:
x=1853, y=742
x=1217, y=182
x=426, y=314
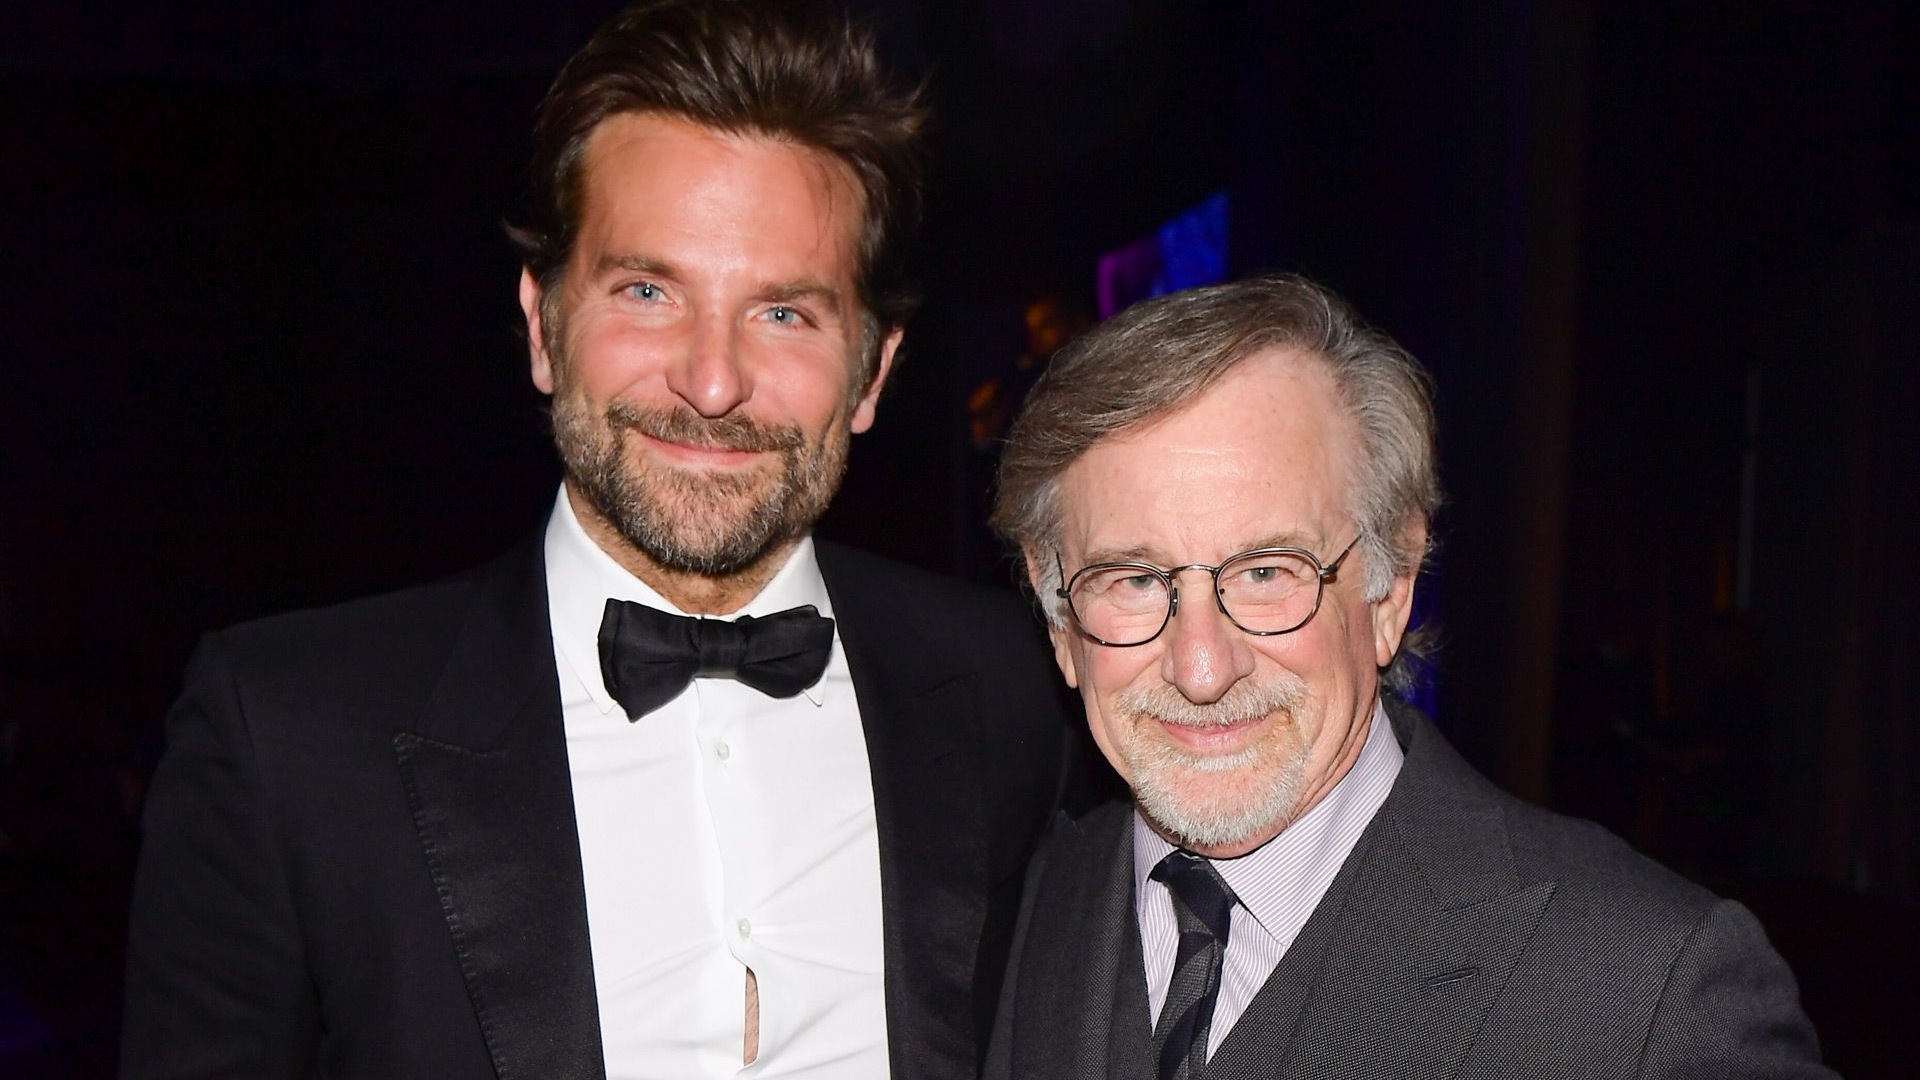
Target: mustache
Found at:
x=1246, y=701
x=689, y=428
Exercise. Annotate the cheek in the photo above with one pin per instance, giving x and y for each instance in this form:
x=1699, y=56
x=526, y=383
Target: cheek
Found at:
x=814, y=394
x=1321, y=646
x=1109, y=732
x=1103, y=674
x=1360, y=640
x=609, y=357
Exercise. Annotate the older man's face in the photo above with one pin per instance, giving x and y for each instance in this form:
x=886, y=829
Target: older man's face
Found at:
x=1226, y=737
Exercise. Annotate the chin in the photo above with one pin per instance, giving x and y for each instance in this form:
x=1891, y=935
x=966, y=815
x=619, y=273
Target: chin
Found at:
x=1217, y=801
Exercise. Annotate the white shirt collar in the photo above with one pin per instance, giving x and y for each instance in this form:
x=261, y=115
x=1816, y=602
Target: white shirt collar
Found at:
x=581, y=578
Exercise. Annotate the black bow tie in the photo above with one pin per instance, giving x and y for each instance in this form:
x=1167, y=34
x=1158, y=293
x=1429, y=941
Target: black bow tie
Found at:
x=648, y=656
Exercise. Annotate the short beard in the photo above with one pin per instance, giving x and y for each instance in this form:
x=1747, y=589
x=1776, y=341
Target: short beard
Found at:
x=690, y=521
x=1215, y=801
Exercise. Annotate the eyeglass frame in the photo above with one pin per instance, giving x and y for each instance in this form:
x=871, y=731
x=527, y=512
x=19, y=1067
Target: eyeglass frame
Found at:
x=1324, y=574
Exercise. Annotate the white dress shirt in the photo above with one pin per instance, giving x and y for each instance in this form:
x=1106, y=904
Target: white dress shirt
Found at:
x=1278, y=884
x=726, y=830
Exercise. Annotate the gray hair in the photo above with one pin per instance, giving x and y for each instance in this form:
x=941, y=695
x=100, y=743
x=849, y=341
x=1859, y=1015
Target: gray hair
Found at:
x=1159, y=355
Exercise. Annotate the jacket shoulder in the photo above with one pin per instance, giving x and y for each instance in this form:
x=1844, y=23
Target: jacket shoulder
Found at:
x=370, y=655
x=1457, y=814
x=944, y=617
x=865, y=572
x=356, y=631
x=1592, y=864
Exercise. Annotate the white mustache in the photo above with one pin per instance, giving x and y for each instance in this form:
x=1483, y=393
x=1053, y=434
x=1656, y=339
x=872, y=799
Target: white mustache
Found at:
x=1245, y=701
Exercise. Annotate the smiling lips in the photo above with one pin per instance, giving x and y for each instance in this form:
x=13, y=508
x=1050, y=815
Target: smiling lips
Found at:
x=1211, y=738
x=702, y=453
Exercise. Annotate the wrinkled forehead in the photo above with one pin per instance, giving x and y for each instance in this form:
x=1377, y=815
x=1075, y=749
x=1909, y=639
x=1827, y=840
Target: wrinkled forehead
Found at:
x=1260, y=458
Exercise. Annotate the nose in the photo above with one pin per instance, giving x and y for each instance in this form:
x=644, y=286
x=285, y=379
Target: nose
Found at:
x=1206, y=654
x=711, y=375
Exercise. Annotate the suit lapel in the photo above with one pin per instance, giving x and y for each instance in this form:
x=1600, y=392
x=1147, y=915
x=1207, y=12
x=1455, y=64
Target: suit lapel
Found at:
x=1081, y=1010
x=922, y=726
x=487, y=778
x=1417, y=936
x=1263, y=1038
x=1424, y=973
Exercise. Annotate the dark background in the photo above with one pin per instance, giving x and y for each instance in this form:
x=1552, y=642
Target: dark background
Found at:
x=263, y=352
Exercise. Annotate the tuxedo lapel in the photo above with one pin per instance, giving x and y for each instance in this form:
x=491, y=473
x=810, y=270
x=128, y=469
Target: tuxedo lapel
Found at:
x=922, y=724
x=487, y=778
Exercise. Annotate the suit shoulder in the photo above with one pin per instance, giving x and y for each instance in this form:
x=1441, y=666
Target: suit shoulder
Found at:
x=1588, y=862
x=1448, y=800
x=368, y=626
x=368, y=654
x=914, y=596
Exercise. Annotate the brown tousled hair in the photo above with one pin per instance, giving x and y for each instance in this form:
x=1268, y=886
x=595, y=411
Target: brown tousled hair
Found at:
x=787, y=69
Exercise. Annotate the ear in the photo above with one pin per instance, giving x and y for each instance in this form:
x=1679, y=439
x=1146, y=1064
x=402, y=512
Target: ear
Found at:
x=1391, y=612
x=541, y=361
x=864, y=409
x=1062, y=635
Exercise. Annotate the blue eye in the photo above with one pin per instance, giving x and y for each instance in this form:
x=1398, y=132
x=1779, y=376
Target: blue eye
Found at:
x=646, y=290
x=783, y=314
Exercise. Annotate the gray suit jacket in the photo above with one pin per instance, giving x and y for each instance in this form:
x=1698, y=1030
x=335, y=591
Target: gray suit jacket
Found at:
x=1468, y=935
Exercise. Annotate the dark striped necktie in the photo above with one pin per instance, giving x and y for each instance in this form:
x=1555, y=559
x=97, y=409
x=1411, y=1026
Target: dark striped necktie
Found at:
x=1203, y=906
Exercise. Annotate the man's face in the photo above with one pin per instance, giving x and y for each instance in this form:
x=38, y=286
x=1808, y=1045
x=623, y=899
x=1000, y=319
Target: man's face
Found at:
x=704, y=351
x=1226, y=737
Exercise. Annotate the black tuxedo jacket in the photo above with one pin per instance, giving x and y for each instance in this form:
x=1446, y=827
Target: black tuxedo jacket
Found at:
x=1467, y=935
x=360, y=855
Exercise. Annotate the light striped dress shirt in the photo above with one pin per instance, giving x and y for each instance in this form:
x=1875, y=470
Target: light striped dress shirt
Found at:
x=1279, y=884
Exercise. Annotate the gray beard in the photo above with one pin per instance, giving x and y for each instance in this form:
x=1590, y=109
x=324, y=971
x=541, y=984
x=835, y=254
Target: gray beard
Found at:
x=712, y=525
x=1268, y=775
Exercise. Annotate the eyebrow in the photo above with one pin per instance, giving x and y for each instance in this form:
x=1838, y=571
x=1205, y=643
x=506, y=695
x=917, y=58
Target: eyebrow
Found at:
x=803, y=290
x=1141, y=553
x=1131, y=554
x=633, y=264
x=1291, y=538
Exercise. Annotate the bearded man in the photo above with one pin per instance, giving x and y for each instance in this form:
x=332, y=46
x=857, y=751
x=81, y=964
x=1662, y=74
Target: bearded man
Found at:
x=671, y=790
x=1222, y=499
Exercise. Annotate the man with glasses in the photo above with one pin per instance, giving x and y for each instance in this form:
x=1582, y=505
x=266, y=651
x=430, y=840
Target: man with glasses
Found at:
x=1222, y=499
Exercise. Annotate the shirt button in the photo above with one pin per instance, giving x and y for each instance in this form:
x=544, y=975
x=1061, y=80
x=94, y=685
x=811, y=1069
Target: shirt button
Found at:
x=723, y=751
x=745, y=928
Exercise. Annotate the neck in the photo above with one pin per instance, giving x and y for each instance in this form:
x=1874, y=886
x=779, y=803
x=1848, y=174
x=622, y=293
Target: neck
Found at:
x=690, y=591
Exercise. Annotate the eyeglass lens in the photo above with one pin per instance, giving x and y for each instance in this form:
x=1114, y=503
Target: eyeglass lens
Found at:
x=1265, y=592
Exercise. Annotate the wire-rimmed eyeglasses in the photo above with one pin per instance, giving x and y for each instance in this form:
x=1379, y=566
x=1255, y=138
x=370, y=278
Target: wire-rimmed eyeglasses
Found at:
x=1266, y=591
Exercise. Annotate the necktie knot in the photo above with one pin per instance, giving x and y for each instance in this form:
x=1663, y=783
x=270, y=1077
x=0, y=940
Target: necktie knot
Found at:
x=1198, y=889
x=648, y=656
